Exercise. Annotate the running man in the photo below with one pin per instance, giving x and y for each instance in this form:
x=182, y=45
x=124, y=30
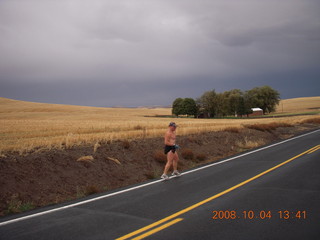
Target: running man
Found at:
x=170, y=151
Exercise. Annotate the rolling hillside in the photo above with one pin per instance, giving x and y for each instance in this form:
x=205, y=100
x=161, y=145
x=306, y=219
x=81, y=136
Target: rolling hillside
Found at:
x=299, y=105
x=27, y=125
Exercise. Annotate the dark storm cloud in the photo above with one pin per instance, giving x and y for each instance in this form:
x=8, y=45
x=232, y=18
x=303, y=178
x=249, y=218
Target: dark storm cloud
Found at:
x=133, y=53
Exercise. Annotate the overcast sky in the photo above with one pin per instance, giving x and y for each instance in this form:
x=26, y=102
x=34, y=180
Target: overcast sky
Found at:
x=149, y=52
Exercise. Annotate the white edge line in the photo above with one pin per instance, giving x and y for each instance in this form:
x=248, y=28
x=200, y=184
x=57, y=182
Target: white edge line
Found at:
x=150, y=183
x=248, y=153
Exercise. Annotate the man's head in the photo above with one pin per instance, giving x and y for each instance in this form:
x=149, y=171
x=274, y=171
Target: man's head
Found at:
x=173, y=126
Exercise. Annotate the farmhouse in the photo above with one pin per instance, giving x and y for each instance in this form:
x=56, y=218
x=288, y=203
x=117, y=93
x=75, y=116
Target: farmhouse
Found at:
x=256, y=112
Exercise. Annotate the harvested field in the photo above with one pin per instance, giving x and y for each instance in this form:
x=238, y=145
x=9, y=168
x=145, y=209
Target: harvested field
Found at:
x=27, y=126
x=298, y=105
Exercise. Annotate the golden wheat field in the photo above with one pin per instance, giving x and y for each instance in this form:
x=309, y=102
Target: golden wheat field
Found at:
x=25, y=126
x=296, y=105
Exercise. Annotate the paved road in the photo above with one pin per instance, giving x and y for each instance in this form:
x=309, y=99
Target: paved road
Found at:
x=260, y=202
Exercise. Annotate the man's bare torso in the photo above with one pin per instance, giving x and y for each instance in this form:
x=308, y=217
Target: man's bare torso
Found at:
x=170, y=138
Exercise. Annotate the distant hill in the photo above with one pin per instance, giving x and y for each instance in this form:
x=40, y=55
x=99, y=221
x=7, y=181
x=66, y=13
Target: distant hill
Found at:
x=296, y=105
x=25, y=106
x=292, y=105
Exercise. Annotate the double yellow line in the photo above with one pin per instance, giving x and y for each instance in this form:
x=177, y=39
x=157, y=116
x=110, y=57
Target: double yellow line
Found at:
x=312, y=150
x=176, y=220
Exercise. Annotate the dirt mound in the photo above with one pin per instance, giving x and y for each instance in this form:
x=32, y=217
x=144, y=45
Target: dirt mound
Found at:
x=52, y=176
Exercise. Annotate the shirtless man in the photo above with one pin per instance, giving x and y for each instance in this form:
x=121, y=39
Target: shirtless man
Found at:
x=170, y=151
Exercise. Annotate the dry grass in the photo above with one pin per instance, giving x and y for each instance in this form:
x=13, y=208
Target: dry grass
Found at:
x=312, y=121
x=248, y=144
x=159, y=156
x=85, y=159
x=126, y=144
x=268, y=127
x=15, y=205
x=2, y=155
x=201, y=157
x=95, y=147
x=154, y=174
x=114, y=160
x=92, y=189
x=25, y=126
x=295, y=105
x=187, y=154
x=232, y=129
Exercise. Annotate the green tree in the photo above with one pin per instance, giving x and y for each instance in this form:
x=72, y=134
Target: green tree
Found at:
x=233, y=102
x=207, y=103
x=265, y=98
x=220, y=104
x=177, y=107
x=235, y=99
x=271, y=98
x=245, y=105
x=189, y=107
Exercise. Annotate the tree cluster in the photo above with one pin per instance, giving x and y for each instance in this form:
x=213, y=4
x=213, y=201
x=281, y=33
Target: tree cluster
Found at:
x=228, y=103
x=185, y=106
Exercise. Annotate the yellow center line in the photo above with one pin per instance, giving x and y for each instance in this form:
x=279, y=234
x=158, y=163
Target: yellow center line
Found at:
x=314, y=149
x=158, y=229
x=211, y=198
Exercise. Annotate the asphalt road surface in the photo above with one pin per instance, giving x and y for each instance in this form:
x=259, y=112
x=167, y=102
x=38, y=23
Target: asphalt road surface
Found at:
x=269, y=193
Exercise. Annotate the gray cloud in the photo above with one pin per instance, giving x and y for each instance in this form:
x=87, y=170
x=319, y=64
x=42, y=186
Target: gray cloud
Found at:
x=149, y=52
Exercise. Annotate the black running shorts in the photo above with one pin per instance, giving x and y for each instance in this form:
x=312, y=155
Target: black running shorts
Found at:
x=168, y=148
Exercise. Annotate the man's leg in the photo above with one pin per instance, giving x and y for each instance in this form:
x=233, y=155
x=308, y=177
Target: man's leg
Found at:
x=175, y=161
x=170, y=156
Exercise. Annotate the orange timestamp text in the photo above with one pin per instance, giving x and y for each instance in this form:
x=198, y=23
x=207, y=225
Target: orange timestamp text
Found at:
x=262, y=214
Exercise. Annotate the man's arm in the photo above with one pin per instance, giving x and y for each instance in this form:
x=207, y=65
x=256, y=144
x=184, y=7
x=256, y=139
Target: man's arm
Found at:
x=167, y=137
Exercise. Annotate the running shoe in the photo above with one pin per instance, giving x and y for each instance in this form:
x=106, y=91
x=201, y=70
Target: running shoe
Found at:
x=176, y=173
x=164, y=176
